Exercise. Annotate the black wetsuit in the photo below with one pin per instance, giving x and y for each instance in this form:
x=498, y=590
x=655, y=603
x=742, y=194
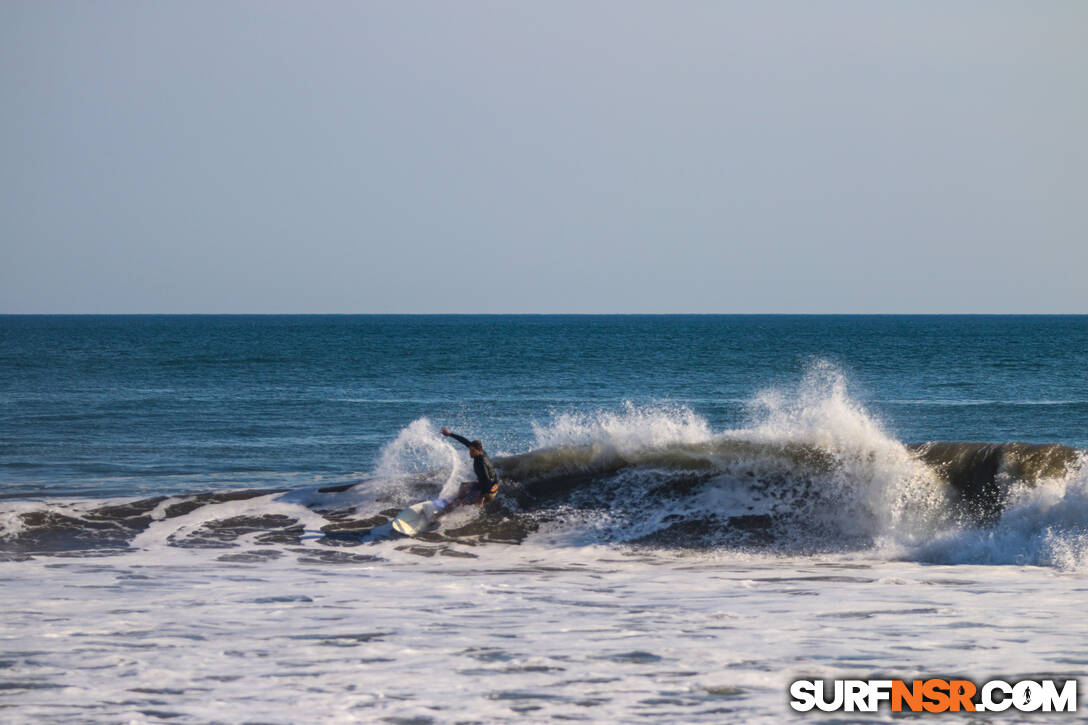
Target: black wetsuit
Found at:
x=487, y=478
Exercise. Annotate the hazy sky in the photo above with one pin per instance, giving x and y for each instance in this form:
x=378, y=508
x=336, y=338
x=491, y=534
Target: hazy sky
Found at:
x=809, y=156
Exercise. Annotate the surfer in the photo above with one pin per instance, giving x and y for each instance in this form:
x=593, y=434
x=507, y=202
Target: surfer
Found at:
x=486, y=485
x=422, y=518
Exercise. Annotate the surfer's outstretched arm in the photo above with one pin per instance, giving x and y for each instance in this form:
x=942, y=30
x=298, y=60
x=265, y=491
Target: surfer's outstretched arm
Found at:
x=467, y=443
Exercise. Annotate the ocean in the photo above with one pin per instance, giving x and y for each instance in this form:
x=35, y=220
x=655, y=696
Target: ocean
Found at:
x=695, y=512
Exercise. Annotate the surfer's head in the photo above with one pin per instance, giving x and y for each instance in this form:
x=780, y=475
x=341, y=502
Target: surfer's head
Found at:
x=476, y=448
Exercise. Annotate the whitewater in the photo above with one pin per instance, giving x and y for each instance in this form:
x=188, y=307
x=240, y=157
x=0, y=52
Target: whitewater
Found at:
x=639, y=566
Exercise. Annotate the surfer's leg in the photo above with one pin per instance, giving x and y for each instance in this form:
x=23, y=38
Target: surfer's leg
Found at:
x=449, y=504
x=466, y=493
x=474, y=494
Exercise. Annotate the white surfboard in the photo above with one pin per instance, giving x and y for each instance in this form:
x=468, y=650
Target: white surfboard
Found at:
x=419, y=518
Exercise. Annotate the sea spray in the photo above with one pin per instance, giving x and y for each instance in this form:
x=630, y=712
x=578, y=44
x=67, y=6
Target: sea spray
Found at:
x=632, y=429
x=872, y=485
x=813, y=470
x=1043, y=523
x=419, y=452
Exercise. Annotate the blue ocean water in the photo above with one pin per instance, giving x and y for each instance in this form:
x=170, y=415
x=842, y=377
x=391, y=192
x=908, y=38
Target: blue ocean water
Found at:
x=127, y=405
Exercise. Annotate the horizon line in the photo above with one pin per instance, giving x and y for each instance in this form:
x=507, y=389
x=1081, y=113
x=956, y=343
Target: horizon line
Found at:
x=543, y=314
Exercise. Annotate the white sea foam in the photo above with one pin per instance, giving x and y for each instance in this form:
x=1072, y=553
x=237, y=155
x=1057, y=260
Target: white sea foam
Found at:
x=12, y=521
x=518, y=634
x=1044, y=524
x=161, y=531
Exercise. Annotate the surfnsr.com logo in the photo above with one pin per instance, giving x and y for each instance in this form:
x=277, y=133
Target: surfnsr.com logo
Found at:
x=934, y=695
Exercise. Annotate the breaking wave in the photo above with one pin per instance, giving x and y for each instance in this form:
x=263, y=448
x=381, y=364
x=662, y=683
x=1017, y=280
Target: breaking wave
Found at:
x=811, y=472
